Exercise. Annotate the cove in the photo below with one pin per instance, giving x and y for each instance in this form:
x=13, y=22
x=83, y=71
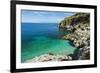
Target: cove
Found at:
x=42, y=38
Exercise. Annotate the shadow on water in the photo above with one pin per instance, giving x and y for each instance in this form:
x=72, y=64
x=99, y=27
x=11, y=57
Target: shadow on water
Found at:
x=75, y=55
x=71, y=43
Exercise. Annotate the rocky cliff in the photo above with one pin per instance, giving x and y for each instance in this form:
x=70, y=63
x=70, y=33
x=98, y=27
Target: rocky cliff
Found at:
x=78, y=28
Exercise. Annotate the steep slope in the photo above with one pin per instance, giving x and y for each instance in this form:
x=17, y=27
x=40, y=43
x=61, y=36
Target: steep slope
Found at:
x=78, y=28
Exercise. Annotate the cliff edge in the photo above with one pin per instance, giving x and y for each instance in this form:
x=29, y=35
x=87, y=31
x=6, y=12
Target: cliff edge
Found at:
x=78, y=28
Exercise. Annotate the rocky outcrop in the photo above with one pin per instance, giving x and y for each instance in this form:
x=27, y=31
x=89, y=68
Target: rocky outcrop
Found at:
x=50, y=57
x=78, y=28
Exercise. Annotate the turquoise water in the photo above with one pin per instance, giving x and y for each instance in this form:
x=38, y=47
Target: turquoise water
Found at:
x=38, y=39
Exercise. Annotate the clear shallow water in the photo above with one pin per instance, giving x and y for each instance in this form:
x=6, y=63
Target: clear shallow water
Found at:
x=42, y=38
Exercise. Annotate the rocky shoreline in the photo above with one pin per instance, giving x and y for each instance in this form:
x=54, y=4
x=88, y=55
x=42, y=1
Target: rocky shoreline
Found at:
x=50, y=57
x=78, y=27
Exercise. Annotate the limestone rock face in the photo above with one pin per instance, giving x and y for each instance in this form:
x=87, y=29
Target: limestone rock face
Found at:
x=78, y=27
x=84, y=53
x=50, y=57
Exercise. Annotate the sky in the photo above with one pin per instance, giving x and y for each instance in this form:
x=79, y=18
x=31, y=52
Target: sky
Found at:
x=32, y=16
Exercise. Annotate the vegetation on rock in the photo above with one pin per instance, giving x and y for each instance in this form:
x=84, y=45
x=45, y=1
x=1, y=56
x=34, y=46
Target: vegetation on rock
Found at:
x=78, y=27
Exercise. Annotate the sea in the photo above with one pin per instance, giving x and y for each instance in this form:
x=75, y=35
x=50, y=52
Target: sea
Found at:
x=42, y=38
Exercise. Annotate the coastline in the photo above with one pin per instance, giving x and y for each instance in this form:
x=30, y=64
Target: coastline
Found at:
x=78, y=28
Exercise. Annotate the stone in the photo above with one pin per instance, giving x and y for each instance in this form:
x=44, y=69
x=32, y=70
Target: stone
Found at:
x=50, y=57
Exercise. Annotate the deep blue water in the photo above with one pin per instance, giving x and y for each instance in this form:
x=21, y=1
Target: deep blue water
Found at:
x=31, y=30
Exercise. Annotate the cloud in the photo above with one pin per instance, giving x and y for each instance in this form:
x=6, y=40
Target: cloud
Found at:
x=39, y=12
